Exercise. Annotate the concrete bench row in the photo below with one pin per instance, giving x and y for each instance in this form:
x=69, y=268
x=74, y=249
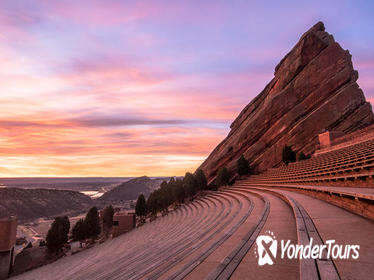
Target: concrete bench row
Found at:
x=326, y=168
x=319, y=163
x=359, y=203
x=186, y=267
x=228, y=265
x=172, y=249
x=158, y=242
x=342, y=154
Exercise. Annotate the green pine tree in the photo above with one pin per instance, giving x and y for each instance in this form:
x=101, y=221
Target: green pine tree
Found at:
x=178, y=191
x=141, y=206
x=79, y=230
x=243, y=167
x=301, y=156
x=201, y=180
x=189, y=185
x=108, y=217
x=288, y=155
x=92, y=223
x=57, y=235
x=223, y=177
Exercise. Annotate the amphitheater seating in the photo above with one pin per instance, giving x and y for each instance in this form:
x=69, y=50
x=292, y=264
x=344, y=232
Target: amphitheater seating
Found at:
x=214, y=236
x=346, y=164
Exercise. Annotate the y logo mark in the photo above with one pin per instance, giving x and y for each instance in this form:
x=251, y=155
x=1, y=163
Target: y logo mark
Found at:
x=267, y=248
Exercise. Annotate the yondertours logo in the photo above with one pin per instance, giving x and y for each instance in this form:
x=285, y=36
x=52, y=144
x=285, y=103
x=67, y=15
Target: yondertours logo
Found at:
x=267, y=245
x=266, y=248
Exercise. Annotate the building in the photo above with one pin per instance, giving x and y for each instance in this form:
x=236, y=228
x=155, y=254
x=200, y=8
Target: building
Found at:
x=123, y=222
x=8, y=233
x=326, y=138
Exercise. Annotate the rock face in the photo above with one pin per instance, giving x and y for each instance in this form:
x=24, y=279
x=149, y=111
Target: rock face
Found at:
x=314, y=89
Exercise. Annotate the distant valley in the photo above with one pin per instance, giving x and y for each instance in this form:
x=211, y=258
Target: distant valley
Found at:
x=34, y=198
x=89, y=185
x=30, y=204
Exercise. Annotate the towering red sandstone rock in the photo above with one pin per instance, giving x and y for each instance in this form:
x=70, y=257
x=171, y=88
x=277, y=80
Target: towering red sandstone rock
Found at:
x=314, y=88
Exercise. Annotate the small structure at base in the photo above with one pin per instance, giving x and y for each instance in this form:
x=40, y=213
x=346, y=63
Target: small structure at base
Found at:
x=123, y=222
x=326, y=138
x=75, y=246
x=8, y=233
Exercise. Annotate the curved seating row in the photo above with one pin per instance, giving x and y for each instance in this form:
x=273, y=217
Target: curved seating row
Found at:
x=213, y=237
x=150, y=249
x=348, y=163
x=157, y=247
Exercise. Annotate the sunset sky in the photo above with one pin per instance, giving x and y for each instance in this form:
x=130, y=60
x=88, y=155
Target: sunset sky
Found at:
x=128, y=88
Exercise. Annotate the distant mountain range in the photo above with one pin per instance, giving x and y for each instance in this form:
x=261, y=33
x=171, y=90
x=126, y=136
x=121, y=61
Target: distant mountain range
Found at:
x=30, y=203
x=130, y=190
x=72, y=183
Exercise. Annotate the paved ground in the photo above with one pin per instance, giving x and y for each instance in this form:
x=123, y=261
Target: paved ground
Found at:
x=345, y=228
x=282, y=223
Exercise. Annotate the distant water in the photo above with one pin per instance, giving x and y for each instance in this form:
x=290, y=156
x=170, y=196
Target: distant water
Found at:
x=91, y=186
x=93, y=194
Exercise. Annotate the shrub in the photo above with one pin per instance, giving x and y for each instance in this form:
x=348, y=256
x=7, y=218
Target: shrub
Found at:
x=200, y=180
x=141, y=206
x=301, y=156
x=66, y=224
x=108, y=217
x=156, y=201
x=213, y=186
x=242, y=166
x=223, y=177
x=92, y=223
x=175, y=190
x=152, y=203
x=288, y=155
x=79, y=230
x=178, y=191
x=189, y=185
x=57, y=235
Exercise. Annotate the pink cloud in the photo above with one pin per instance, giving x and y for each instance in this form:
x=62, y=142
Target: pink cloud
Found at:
x=104, y=13
x=97, y=12
x=364, y=64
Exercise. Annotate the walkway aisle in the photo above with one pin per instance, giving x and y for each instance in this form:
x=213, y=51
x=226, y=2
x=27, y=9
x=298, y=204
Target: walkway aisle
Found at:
x=344, y=227
x=281, y=222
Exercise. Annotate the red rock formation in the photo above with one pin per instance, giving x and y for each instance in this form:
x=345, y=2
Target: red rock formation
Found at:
x=314, y=88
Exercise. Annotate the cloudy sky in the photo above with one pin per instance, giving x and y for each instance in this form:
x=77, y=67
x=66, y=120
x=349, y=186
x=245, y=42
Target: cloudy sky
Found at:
x=127, y=88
